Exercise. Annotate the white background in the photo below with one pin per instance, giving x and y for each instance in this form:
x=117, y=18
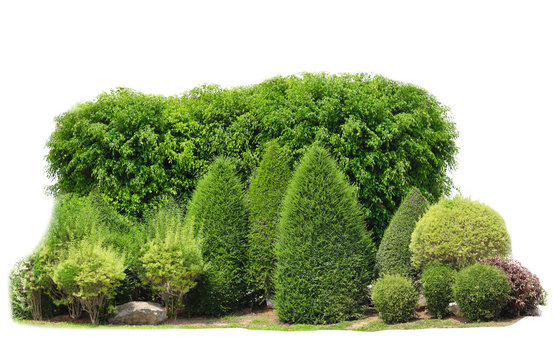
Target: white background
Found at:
x=490, y=62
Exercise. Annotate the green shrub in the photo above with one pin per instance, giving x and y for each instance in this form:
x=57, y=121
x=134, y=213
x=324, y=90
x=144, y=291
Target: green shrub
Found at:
x=90, y=273
x=459, y=232
x=394, y=297
x=437, y=287
x=218, y=212
x=324, y=255
x=19, y=302
x=481, y=291
x=394, y=256
x=265, y=196
x=172, y=258
x=385, y=135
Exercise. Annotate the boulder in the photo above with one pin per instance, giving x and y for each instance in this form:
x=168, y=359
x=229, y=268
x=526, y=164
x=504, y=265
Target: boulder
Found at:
x=455, y=309
x=139, y=313
x=421, y=303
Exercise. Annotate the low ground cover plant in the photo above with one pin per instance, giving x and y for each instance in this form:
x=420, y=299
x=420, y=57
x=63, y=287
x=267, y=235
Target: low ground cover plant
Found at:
x=459, y=232
x=437, y=287
x=394, y=297
x=481, y=291
x=526, y=291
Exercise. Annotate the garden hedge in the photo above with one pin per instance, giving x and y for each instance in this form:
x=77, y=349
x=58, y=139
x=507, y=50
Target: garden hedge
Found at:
x=394, y=256
x=325, y=257
x=386, y=136
x=459, y=232
x=219, y=216
x=394, y=297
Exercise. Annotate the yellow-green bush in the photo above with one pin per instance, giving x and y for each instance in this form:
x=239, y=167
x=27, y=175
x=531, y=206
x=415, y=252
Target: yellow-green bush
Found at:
x=459, y=232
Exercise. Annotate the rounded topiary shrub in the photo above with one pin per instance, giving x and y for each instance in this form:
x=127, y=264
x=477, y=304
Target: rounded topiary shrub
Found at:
x=265, y=197
x=459, y=232
x=324, y=255
x=394, y=297
x=526, y=291
x=219, y=215
x=437, y=287
x=394, y=256
x=481, y=291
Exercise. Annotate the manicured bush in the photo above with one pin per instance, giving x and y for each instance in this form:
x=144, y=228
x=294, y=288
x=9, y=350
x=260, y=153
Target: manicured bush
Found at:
x=394, y=256
x=459, y=232
x=90, y=273
x=437, y=287
x=265, y=195
x=219, y=215
x=325, y=257
x=394, y=297
x=386, y=136
x=172, y=258
x=526, y=291
x=481, y=291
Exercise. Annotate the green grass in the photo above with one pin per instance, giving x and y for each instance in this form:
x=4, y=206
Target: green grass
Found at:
x=262, y=323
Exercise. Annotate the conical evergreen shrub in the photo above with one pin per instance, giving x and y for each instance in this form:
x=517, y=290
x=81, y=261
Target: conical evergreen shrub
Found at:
x=394, y=256
x=265, y=197
x=218, y=211
x=325, y=257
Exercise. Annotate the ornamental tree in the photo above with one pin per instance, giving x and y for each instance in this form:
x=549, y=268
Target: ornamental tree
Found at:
x=218, y=212
x=325, y=256
x=265, y=195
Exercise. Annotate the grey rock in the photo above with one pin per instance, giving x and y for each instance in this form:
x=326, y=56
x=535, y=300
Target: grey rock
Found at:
x=421, y=303
x=455, y=309
x=139, y=313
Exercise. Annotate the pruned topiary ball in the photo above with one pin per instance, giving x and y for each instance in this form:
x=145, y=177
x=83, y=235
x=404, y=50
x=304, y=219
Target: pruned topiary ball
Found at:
x=459, y=232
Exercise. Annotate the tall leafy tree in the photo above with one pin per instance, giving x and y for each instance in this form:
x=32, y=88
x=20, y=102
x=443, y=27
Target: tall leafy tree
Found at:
x=325, y=256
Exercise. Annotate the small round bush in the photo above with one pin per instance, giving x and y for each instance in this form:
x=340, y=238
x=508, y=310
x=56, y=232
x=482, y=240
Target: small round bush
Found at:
x=526, y=291
x=481, y=291
x=459, y=232
x=437, y=287
x=394, y=297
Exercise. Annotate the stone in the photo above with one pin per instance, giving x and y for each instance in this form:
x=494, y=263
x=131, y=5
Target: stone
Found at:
x=139, y=313
x=455, y=309
x=421, y=303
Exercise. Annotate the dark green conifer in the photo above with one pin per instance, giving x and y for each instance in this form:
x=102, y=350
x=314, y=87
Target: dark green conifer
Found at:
x=219, y=214
x=394, y=256
x=265, y=196
x=324, y=254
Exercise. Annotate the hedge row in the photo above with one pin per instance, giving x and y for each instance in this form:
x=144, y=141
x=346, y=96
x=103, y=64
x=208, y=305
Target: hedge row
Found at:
x=386, y=136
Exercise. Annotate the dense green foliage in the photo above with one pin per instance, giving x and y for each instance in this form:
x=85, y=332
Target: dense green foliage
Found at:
x=19, y=302
x=265, y=196
x=172, y=257
x=387, y=136
x=394, y=256
x=526, y=291
x=219, y=214
x=90, y=273
x=481, y=291
x=437, y=287
x=325, y=257
x=459, y=232
x=394, y=297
